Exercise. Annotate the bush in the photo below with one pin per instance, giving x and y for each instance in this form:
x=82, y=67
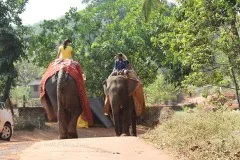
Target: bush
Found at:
x=17, y=94
x=160, y=91
x=33, y=102
x=200, y=135
x=205, y=92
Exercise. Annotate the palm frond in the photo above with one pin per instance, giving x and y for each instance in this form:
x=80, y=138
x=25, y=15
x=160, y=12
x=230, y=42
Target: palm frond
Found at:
x=148, y=5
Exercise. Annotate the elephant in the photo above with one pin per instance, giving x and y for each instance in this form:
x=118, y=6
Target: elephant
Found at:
x=63, y=102
x=119, y=90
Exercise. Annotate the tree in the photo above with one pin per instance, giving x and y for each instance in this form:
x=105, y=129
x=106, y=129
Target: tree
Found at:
x=27, y=72
x=148, y=5
x=11, y=42
x=99, y=32
x=203, y=36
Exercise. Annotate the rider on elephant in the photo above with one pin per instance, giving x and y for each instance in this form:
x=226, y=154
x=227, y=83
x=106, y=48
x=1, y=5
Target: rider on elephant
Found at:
x=65, y=51
x=122, y=66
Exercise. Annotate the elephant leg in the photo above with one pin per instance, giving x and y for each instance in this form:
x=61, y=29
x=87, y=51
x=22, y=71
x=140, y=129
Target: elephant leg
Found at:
x=49, y=101
x=72, y=130
x=126, y=118
x=107, y=105
x=133, y=117
x=62, y=122
x=118, y=127
x=116, y=113
x=133, y=124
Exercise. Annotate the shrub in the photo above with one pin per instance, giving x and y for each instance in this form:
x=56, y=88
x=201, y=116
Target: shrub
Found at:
x=17, y=94
x=200, y=135
x=205, y=92
x=160, y=91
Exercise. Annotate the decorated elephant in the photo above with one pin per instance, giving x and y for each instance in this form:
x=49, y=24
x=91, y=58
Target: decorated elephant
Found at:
x=64, y=97
x=119, y=89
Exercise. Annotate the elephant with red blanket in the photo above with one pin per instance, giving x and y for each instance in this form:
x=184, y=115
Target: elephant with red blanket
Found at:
x=63, y=95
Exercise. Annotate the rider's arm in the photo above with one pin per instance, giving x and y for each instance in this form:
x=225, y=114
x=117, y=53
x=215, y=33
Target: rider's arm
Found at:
x=58, y=53
x=129, y=67
x=72, y=54
x=115, y=66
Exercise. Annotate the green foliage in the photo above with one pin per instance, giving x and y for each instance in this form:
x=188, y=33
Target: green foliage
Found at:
x=17, y=94
x=205, y=92
x=147, y=7
x=196, y=41
x=98, y=33
x=11, y=43
x=201, y=43
x=27, y=71
x=200, y=135
x=160, y=91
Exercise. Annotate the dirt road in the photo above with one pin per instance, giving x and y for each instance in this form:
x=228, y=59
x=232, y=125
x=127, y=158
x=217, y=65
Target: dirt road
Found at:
x=105, y=148
x=93, y=142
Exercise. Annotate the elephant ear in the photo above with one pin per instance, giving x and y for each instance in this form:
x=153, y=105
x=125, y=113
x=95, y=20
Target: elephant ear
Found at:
x=132, y=85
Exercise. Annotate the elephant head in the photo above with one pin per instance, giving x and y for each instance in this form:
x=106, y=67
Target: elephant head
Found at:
x=119, y=91
x=131, y=85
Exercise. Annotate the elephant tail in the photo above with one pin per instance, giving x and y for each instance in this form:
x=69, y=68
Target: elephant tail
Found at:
x=60, y=86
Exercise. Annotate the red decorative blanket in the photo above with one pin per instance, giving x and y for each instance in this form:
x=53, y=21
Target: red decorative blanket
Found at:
x=73, y=68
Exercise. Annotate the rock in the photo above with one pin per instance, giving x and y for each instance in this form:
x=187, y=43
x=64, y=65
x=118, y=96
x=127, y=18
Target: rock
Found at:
x=237, y=154
x=193, y=148
x=190, y=111
x=234, y=106
x=230, y=95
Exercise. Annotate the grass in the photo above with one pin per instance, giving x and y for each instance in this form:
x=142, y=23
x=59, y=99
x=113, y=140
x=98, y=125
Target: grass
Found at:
x=200, y=135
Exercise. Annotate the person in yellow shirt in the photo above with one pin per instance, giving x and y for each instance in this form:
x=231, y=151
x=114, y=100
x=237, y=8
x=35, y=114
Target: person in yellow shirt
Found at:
x=65, y=51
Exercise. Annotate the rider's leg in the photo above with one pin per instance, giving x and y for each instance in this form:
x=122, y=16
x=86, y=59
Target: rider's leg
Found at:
x=107, y=106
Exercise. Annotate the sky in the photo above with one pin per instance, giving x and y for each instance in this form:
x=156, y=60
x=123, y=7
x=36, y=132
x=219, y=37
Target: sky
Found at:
x=38, y=10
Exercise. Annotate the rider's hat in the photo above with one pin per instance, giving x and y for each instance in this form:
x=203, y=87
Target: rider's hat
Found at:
x=121, y=54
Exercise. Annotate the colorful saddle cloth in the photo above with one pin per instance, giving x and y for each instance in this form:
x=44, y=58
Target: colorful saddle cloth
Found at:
x=74, y=69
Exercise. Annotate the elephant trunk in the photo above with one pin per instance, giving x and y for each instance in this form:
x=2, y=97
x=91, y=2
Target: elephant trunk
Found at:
x=60, y=94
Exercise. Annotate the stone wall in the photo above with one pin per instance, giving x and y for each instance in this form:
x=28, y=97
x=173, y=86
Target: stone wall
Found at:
x=30, y=118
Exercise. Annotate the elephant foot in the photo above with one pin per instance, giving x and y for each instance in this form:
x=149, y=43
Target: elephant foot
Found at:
x=134, y=134
x=72, y=135
x=63, y=137
x=118, y=135
x=124, y=135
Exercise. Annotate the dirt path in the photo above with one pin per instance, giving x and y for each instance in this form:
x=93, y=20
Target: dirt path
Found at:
x=24, y=142
x=105, y=148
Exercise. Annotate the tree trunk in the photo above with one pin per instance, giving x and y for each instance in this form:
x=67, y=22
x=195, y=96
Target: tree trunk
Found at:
x=6, y=93
x=235, y=81
x=236, y=86
x=7, y=89
x=9, y=105
x=232, y=59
